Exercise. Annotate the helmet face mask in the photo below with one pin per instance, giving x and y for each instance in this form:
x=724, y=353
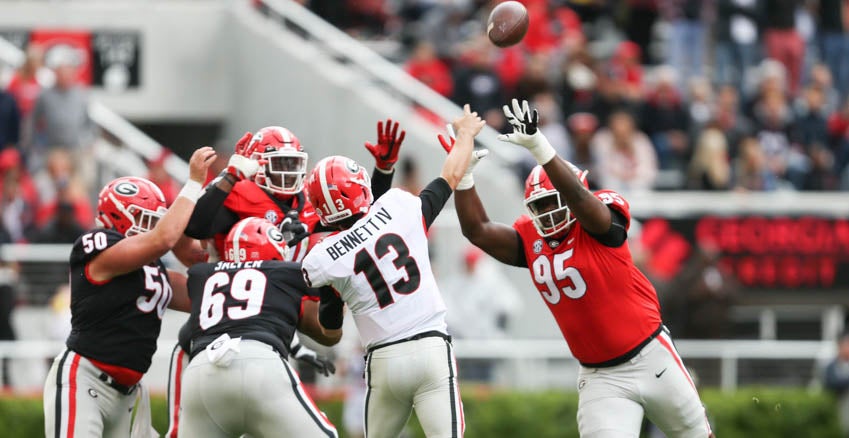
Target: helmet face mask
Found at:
x=551, y=216
x=130, y=205
x=284, y=163
x=255, y=238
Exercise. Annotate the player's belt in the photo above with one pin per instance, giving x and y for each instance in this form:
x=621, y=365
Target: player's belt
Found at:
x=123, y=389
x=430, y=334
x=627, y=356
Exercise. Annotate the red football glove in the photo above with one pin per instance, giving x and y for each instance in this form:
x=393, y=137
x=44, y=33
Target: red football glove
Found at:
x=385, y=152
x=242, y=144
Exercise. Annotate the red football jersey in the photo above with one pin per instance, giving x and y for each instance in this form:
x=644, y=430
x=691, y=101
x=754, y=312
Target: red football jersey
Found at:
x=249, y=200
x=604, y=305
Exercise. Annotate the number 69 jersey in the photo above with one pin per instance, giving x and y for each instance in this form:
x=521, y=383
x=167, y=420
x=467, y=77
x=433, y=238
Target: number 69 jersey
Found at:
x=258, y=300
x=603, y=304
x=381, y=270
x=115, y=322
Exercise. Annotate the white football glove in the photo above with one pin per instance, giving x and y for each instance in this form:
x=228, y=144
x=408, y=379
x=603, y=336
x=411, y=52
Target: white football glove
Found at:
x=526, y=133
x=242, y=167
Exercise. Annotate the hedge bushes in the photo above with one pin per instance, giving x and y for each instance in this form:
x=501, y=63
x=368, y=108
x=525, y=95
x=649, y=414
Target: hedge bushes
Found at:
x=750, y=412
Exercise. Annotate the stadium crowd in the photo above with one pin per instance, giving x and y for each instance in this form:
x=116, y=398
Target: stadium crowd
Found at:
x=648, y=94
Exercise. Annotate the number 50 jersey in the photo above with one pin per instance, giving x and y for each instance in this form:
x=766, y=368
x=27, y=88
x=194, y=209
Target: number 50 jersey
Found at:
x=381, y=270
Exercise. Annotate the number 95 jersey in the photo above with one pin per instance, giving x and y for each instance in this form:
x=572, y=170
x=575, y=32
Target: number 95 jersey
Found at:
x=603, y=304
x=381, y=270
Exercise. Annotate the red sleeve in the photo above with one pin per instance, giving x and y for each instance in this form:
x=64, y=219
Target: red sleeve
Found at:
x=616, y=202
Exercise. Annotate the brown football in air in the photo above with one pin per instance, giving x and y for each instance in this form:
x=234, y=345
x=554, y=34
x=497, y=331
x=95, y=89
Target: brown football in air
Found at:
x=507, y=24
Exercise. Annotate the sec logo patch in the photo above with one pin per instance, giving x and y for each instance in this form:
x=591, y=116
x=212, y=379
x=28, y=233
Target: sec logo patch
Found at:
x=271, y=216
x=538, y=246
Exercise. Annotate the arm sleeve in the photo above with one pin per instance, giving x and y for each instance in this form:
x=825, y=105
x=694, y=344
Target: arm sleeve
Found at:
x=617, y=234
x=521, y=261
x=330, y=309
x=434, y=197
x=380, y=182
x=208, y=217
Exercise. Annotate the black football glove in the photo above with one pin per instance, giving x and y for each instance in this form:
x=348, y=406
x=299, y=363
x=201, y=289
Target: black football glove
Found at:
x=306, y=356
x=293, y=229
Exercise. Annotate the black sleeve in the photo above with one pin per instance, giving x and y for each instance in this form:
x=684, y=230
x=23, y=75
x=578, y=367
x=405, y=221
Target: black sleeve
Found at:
x=617, y=233
x=380, y=182
x=330, y=309
x=521, y=261
x=434, y=197
x=208, y=217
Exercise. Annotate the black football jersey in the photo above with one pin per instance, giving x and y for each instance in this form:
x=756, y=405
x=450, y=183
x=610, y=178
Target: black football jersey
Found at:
x=259, y=300
x=116, y=322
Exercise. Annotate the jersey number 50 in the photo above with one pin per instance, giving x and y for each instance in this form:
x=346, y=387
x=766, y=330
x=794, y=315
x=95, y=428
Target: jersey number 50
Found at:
x=553, y=274
x=248, y=285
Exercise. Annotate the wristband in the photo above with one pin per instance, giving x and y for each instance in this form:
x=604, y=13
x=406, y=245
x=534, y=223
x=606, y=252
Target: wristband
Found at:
x=385, y=172
x=542, y=150
x=466, y=182
x=191, y=191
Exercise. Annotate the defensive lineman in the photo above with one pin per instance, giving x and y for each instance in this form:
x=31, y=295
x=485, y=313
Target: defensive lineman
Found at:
x=247, y=309
x=378, y=264
x=573, y=242
x=119, y=292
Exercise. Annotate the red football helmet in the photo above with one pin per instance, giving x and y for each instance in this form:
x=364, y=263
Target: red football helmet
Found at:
x=254, y=238
x=542, y=200
x=130, y=205
x=284, y=160
x=338, y=188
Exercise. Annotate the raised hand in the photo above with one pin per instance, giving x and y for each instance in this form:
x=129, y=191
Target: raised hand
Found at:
x=389, y=140
x=293, y=229
x=469, y=123
x=199, y=163
x=526, y=131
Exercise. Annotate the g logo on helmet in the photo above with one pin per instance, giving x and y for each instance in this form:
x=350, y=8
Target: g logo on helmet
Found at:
x=352, y=166
x=126, y=188
x=274, y=235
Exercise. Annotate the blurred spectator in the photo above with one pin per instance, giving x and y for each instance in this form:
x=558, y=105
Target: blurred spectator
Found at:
x=366, y=18
x=737, y=47
x=25, y=85
x=582, y=127
x=551, y=125
x=710, y=168
x=750, y=168
x=62, y=226
x=774, y=119
x=701, y=105
x=475, y=82
x=482, y=290
x=838, y=132
x=10, y=121
x=639, y=25
x=18, y=196
x=625, y=158
x=425, y=66
x=834, y=41
x=8, y=298
x=579, y=90
x=535, y=79
x=811, y=125
x=687, y=37
x=157, y=173
x=64, y=188
x=60, y=116
x=782, y=41
x=837, y=381
x=729, y=119
x=626, y=72
x=410, y=176
x=821, y=175
x=701, y=295
x=665, y=119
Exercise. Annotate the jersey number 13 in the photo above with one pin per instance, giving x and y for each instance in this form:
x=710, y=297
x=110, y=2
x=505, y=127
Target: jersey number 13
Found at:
x=365, y=264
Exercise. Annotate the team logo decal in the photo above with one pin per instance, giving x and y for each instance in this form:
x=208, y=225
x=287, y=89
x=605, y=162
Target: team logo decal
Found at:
x=554, y=244
x=538, y=246
x=126, y=188
x=274, y=234
x=353, y=166
x=271, y=216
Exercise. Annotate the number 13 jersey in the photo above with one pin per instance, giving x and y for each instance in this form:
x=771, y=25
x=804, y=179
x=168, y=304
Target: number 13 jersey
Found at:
x=603, y=304
x=381, y=269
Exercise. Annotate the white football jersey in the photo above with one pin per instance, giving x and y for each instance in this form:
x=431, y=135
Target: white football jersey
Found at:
x=381, y=269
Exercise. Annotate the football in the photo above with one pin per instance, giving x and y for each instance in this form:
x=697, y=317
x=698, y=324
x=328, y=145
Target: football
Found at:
x=507, y=24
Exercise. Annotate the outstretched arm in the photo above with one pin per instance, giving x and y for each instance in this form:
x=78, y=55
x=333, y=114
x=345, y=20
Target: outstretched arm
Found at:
x=590, y=212
x=460, y=156
x=133, y=252
x=498, y=240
